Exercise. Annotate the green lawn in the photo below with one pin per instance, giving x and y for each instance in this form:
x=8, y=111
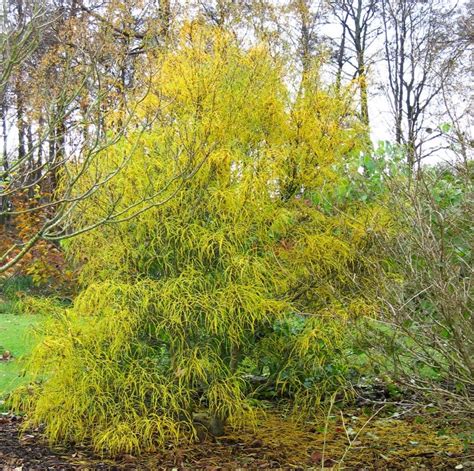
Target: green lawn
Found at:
x=16, y=338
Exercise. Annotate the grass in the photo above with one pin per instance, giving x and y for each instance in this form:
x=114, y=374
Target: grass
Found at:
x=14, y=337
x=17, y=321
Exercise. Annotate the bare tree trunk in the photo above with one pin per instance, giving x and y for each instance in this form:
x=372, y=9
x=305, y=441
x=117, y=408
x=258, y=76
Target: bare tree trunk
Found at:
x=20, y=124
x=341, y=52
x=355, y=19
x=165, y=19
x=5, y=165
x=364, y=94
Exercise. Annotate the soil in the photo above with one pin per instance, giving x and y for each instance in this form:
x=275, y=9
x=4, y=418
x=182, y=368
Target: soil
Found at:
x=391, y=443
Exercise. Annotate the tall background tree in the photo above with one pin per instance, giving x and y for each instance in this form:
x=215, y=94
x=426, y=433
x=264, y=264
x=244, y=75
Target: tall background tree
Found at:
x=359, y=31
x=420, y=58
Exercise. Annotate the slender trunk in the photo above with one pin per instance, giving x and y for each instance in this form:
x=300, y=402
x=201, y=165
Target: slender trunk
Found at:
x=39, y=160
x=20, y=124
x=52, y=155
x=165, y=19
x=60, y=151
x=364, y=98
x=411, y=137
x=340, y=56
x=5, y=166
x=400, y=79
x=31, y=162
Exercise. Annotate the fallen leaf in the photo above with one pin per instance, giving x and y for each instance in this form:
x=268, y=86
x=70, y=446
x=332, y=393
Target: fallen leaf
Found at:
x=316, y=457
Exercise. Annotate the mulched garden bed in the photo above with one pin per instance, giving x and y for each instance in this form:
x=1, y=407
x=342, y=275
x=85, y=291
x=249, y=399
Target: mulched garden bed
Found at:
x=392, y=442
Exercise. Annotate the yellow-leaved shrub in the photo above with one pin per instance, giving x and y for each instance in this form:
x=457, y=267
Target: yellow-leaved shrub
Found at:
x=238, y=267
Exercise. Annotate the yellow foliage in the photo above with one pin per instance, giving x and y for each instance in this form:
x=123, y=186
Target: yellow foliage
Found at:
x=176, y=298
